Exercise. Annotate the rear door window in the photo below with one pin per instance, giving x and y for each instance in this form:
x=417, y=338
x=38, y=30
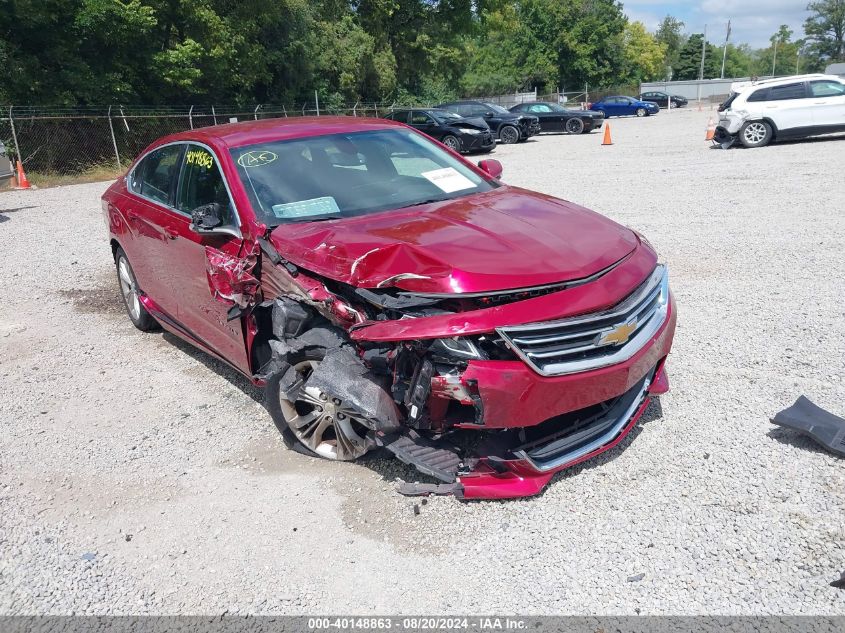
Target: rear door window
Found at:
x=156, y=175
x=827, y=89
x=202, y=183
x=421, y=118
x=401, y=116
x=789, y=91
x=759, y=95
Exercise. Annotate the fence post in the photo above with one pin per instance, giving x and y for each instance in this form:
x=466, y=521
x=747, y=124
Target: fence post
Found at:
x=114, y=141
x=190, y=117
x=317, y=102
x=214, y=114
x=15, y=135
x=375, y=107
x=355, y=107
x=284, y=109
x=255, y=112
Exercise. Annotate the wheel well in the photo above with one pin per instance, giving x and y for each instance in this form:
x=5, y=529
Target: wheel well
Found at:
x=774, y=127
x=114, y=246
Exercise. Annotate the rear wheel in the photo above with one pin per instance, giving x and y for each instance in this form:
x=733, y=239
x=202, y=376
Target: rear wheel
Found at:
x=452, y=142
x=640, y=112
x=574, y=126
x=755, y=134
x=316, y=423
x=508, y=134
x=131, y=294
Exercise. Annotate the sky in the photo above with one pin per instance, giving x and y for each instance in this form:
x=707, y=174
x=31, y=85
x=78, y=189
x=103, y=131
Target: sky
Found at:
x=752, y=21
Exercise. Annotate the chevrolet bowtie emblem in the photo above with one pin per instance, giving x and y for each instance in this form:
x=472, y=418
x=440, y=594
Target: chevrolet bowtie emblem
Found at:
x=619, y=334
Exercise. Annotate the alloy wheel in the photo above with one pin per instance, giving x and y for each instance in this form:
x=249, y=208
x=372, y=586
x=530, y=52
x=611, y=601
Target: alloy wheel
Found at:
x=129, y=289
x=574, y=126
x=509, y=134
x=755, y=132
x=452, y=143
x=322, y=422
x=641, y=112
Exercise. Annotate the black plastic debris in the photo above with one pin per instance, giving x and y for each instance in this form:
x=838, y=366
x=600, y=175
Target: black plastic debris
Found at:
x=820, y=425
x=839, y=584
x=636, y=577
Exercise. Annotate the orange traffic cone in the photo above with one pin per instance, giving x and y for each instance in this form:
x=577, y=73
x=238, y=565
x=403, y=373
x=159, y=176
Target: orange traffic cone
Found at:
x=607, y=140
x=23, y=183
x=711, y=129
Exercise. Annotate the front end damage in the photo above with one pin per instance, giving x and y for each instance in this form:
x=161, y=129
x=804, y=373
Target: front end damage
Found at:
x=488, y=394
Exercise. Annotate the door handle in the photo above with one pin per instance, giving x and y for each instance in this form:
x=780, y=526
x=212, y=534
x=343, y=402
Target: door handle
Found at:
x=820, y=102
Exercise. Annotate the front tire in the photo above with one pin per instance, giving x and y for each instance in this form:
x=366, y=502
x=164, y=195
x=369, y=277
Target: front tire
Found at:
x=574, y=126
x=452, y=142
x=508, y=134
x=755, y=134
x=316, y=424
x=640, y=112
x=131, y=294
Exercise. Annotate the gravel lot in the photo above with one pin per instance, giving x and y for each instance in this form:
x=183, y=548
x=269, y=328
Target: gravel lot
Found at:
x=139, y=476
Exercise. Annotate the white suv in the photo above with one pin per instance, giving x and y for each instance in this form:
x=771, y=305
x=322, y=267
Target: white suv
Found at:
x=787, y=107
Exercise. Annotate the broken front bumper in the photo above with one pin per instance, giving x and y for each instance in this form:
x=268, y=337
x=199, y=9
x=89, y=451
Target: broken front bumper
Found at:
x=547, y=424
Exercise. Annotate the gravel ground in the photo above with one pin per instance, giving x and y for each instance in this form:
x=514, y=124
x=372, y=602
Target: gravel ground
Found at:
x=141, y=476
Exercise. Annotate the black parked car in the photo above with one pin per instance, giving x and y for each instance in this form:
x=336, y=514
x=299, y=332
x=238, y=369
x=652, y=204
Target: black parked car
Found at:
x=555, y=118
x=662, y=99
x=509, y=127
x=454, y=131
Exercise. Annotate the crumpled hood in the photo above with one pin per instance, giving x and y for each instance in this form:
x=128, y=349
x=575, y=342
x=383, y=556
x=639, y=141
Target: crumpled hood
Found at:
x=503, y=239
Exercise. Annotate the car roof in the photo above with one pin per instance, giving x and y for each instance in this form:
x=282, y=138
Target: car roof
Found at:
x=740, y=86
x=265, y=130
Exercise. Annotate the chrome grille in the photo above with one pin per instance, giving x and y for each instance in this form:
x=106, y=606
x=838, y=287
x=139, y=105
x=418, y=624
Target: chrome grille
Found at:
x=596, y=340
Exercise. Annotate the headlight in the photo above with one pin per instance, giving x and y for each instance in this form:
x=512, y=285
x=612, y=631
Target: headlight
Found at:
x=456, y=348
x=471, y=131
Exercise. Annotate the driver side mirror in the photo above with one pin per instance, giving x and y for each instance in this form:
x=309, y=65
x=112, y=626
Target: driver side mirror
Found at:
x=491, y=166
x=206, y=218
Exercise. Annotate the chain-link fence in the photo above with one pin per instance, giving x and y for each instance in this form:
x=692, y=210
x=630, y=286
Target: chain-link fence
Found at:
x=68, y=141
x=71, y=141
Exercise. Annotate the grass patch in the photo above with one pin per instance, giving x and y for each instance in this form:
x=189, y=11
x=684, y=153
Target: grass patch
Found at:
x=95, y=173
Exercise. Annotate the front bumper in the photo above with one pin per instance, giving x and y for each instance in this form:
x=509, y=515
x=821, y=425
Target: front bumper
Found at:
x=478, y=142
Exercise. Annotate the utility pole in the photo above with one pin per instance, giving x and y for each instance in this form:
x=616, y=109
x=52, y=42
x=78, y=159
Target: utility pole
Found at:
x=775, y=58
x=725, y=50
x=797, y=59
x=703, y=52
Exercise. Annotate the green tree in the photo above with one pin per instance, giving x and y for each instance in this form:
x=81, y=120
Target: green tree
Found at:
x=644, y=55
x=825, y=31
x=689, y=59
x=670, y=34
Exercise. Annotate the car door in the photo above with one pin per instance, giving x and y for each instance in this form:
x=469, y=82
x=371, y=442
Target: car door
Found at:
x=147, y=209
x=614, y=107
x=203, y=315
x=425, y=123
x=550, y=121
x=789, y=107
x=828, y=103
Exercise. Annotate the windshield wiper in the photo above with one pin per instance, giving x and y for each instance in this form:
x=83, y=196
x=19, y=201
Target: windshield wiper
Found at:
x=422, y=202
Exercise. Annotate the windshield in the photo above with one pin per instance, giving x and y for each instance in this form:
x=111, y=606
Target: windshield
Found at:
x=347, y=175
x=556, y=108
x=447, y=116
x=497, y=108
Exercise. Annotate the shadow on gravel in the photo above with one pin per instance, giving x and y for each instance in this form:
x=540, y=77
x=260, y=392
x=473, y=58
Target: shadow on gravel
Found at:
x=218, y=367
x=796, y=439
x=4, y=212
x=103, y=299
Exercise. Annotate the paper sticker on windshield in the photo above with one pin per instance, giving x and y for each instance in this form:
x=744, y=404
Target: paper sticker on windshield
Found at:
x=306, y=208
x=448, y=179
x=256, y=158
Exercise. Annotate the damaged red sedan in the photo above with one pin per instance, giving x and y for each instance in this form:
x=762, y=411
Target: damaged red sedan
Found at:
x=387, y=293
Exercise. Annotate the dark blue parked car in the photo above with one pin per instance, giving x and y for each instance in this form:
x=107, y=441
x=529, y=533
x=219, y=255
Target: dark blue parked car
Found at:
x=625, y=106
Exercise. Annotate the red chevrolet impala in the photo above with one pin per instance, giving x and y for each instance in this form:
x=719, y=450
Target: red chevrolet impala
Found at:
x=387, y=293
